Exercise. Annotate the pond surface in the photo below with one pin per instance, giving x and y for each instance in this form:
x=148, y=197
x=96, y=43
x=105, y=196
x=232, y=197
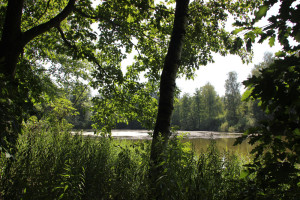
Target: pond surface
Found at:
x=199, y=139
x=201, y=144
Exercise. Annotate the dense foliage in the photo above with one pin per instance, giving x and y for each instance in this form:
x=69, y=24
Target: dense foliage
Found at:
x=199, y=112
x=276, y=88
x=49, y=53
x=277, y=136
x=50, y=163
x=53, y=164
x=55, y=39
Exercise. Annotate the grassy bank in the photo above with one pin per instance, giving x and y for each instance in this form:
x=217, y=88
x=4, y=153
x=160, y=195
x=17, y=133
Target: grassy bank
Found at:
x=53, y=164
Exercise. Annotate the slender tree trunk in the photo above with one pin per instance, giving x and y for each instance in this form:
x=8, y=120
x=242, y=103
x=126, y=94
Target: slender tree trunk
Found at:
x=167, y=89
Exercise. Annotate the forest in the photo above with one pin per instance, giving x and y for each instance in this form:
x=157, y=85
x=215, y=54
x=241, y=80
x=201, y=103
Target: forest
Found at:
x=207, y=111
x=204, y=110
x=53, y=53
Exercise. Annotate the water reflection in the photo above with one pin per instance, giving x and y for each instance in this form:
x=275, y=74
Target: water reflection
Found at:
x=199, y=139
x=201, y=144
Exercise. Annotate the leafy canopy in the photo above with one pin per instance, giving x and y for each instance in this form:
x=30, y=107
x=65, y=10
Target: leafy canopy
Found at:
x=276, y=87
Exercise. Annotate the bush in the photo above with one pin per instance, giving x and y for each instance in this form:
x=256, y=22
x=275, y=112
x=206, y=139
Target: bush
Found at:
x=224, y=127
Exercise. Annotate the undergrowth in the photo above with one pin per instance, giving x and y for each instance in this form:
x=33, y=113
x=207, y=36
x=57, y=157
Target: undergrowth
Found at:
x=54, y=164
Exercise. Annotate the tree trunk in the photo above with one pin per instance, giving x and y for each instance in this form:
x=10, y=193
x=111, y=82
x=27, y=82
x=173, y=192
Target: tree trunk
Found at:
x=12, y=44
x=13, y=40
x=167, y=89
x=10, y=47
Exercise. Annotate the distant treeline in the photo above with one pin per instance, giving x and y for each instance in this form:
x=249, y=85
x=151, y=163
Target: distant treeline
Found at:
x=205, y=110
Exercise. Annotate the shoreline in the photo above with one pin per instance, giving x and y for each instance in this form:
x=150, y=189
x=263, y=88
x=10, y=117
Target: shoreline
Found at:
x=144, y=134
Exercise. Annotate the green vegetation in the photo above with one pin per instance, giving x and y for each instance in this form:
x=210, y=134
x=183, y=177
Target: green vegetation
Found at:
x=51, y=52
x=199, y=112
x=277, y=90
x=53, y=164
x=207, y=111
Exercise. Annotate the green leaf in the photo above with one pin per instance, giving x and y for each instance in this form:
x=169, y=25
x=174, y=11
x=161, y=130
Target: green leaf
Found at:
x=130, y=19
x=272, y=41
x=244, y=174
x=236, y=31
x=280, y=54
x=250, y=35
x=247, y=94
x=297, y=131
x=66, y=187
x=258, y=30
x=61, y=196
x=261, y=12
x=259, y=103
x=297, y=36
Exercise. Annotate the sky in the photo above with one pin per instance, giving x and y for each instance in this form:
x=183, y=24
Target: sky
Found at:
x=216, y=73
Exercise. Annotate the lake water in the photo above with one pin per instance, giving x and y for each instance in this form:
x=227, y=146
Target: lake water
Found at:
x=199, y=139
x=201, y=144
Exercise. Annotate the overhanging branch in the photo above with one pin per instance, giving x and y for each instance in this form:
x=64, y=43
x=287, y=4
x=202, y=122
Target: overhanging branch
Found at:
x=65, y=39
x=99, y=17
x=91, y=57
x=42, y=28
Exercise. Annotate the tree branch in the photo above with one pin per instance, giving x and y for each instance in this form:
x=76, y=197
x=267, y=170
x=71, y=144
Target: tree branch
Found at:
x=91, y=57
x=65, y=39
x=42, y=28
x=99, y=17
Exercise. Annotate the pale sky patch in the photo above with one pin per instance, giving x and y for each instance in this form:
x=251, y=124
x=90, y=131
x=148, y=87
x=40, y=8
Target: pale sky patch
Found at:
x=216, y=73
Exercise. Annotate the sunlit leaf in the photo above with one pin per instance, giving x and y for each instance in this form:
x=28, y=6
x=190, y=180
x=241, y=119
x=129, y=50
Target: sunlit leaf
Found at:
x=247, y=94
x=244, y=174
x=280, y=54
x=261, y=12
x=272, y=41
x=236, y=31
x=130, y=19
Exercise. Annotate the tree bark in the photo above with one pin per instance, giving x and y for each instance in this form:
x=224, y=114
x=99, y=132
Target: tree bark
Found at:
x=13, y=40
x=10, y=47
x=167, y=89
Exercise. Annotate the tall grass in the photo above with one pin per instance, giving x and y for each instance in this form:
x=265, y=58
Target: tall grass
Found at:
x=53, y=164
